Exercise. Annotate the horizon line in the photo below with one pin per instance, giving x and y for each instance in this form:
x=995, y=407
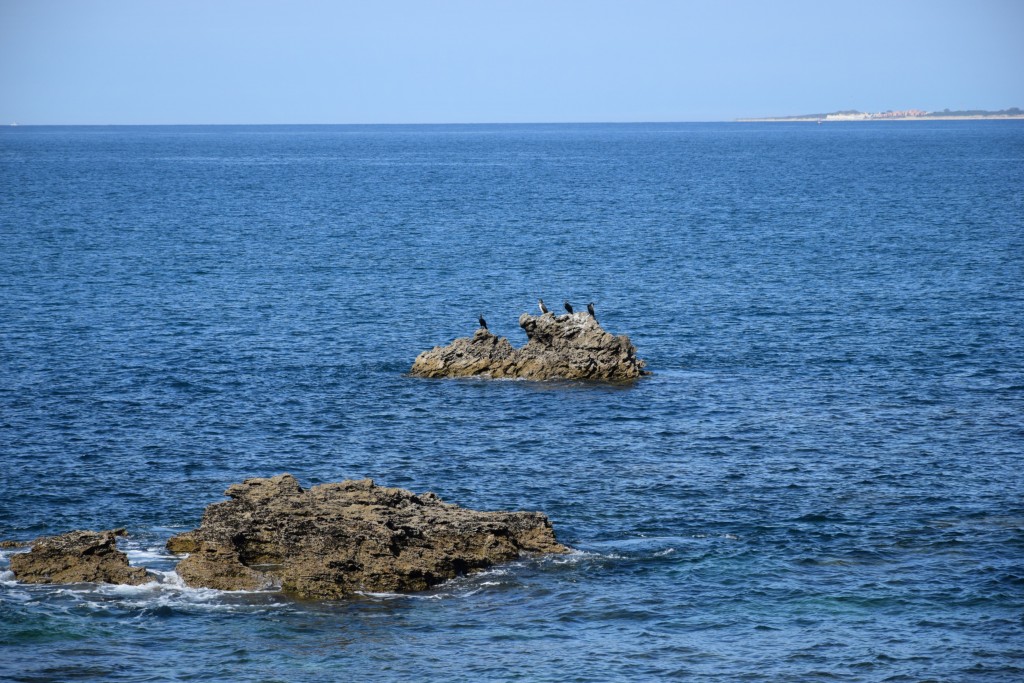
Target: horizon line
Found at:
x=18, y=124
x=745, y=119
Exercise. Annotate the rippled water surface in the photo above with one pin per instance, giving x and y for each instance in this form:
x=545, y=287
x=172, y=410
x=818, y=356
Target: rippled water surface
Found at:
x=821, y=481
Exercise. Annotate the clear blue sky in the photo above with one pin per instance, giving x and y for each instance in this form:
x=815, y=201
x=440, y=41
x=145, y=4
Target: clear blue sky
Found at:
x=397, y=61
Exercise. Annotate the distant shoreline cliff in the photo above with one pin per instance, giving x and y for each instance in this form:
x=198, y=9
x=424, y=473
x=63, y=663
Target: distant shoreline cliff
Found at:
x=901, y=115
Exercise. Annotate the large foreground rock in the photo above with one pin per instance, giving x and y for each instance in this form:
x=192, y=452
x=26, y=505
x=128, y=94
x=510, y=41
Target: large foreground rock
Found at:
x=333, y=539
x=560, y=347
x=77, y=557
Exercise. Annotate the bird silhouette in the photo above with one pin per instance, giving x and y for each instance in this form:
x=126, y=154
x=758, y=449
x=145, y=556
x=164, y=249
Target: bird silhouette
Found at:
x=543, y=308
x=483, y=323
x=590, y=310
x=568, y=307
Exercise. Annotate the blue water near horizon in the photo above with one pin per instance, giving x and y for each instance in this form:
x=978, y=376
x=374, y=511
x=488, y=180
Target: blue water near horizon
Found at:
x=821, y=481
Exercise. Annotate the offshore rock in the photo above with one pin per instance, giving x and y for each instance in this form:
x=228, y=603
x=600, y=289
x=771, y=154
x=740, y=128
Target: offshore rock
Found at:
x=77, y=557
x=571, y=346
x=331, y=540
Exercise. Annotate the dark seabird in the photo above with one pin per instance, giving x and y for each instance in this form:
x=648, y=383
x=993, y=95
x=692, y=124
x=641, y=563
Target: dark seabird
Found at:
x=568, y=307
x=543, y=308
x=590, y=310
x=483, y=323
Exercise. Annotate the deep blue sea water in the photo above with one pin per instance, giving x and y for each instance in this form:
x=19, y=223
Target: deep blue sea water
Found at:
x=823, y=480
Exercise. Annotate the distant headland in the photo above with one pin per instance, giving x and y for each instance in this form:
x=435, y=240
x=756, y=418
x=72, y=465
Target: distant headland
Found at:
x=902, y=115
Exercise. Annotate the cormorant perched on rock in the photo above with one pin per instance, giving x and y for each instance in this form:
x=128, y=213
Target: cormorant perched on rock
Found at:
x=483, y=323
x=543, y=308
x=568, y=307
x=590, y=310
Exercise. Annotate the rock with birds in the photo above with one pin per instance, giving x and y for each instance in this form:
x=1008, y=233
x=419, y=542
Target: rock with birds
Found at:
x=559, y=347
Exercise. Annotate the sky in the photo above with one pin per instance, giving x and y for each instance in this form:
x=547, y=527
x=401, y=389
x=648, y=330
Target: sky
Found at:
x=511, y=61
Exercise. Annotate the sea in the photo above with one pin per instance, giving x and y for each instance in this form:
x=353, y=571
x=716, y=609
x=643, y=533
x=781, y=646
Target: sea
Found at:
x=822, y=480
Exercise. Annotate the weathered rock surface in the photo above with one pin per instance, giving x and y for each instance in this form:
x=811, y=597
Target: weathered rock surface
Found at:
x=560, y=347
x=77, y=557
x=333, y=539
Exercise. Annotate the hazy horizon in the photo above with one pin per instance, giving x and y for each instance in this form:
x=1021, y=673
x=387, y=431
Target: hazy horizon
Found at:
x=117, y=62
x=738, y=120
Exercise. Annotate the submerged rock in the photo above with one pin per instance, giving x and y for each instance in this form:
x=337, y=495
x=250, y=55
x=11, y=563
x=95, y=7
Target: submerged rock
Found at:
x=571, y=346
x=331, y=540
x=77, y=557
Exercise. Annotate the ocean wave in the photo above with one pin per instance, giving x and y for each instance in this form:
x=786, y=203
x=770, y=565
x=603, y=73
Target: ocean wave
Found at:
x=166, y=590
x=140, y=556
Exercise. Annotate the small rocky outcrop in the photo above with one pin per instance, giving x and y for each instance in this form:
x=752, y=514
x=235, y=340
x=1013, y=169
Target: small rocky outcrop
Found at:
x=570, y=346
x=77, y=557
x=331, y=540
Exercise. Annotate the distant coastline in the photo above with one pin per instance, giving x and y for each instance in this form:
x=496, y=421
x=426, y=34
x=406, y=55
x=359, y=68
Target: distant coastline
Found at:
x=900, y=115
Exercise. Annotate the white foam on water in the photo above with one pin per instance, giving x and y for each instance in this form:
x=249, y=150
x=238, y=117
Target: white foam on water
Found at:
x=169, y=578
x=165, y=590
x=728, y=537
x=495, y=571
x=140, y=556
x=580, y=556
x=5, y=554
x=461, y=586
x=438, y=595
x=380, y=596
x=168, y=581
